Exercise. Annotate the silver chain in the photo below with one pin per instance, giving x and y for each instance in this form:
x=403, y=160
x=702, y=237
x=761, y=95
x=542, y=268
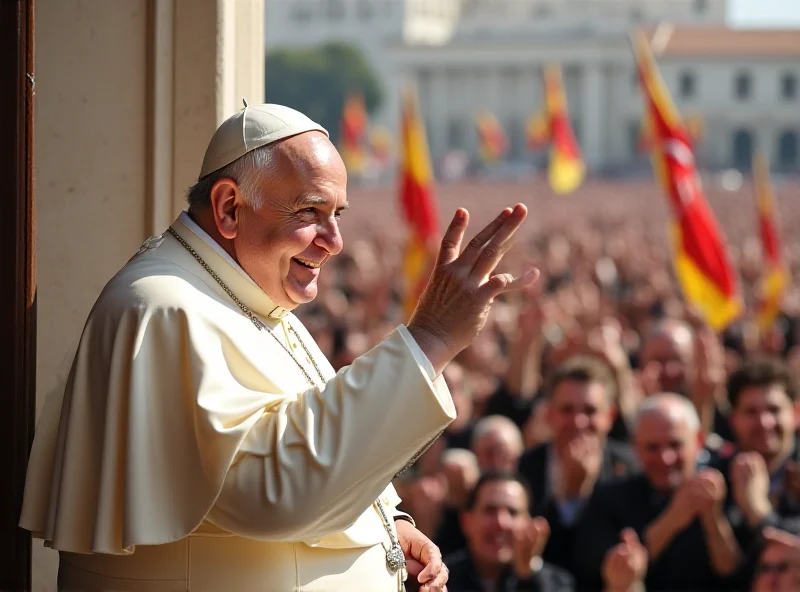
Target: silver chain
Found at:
x=250, y=315
x=395, y=558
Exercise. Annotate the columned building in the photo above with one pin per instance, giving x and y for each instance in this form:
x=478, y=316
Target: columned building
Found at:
x=469, y=55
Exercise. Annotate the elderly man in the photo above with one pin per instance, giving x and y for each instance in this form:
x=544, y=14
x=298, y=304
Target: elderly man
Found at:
x=678, y=358
x=497, y=443
x=675, y=510
x=203, y=442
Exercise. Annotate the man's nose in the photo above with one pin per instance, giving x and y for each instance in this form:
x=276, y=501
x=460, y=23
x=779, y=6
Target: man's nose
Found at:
x=668, y=457
x=329, y=237
x=505, y=520
x=767, y=420
x=580, y=421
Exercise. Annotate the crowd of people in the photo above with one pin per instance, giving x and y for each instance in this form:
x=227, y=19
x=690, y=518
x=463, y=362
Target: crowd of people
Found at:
x=607, y=438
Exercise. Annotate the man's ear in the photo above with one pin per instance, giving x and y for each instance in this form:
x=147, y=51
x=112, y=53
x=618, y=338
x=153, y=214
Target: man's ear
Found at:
x=225, y=203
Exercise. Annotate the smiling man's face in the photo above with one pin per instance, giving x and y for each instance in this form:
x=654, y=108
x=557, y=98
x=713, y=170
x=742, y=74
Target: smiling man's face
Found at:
x=283, y=243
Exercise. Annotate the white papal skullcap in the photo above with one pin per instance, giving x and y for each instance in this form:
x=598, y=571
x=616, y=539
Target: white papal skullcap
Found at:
x=253, y=127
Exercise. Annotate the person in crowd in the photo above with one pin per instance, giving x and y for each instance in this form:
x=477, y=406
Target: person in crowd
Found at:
x=504, y=544
x=564, y=472
x=778, y=567
x=497, y=443
x=763, y=476
x=675, y=510
x=461, y=473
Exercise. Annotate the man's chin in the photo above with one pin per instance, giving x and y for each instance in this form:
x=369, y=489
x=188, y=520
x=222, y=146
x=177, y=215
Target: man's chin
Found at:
x=302, y=294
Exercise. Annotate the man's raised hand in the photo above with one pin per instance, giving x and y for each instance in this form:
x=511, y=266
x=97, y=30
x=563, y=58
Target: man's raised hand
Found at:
x=455, y=304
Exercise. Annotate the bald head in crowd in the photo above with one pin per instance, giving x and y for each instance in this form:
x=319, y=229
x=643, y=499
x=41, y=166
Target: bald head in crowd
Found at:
x=497, y=443
x=668, y=353
x=667, y=437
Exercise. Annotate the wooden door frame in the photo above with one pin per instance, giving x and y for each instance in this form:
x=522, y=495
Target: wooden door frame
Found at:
x=17, y=283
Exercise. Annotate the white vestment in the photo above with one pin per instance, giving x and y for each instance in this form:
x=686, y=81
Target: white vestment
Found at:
x=190, y=453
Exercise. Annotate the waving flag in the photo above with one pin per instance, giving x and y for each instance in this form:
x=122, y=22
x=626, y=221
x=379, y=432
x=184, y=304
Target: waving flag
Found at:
x=695, y=129
x=566, y=170
x=774, y=278
x=417, y=202
x=353, y=134
x=702, y=263
x=491, y=137
x=380, y=141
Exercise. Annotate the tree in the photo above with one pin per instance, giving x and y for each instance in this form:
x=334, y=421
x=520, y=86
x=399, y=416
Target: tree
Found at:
x=317, y=81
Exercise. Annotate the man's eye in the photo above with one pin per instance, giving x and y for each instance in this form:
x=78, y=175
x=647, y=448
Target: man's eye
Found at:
x=337, y=214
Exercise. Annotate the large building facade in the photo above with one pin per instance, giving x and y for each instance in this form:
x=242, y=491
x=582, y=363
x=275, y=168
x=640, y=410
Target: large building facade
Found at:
x=469, y=55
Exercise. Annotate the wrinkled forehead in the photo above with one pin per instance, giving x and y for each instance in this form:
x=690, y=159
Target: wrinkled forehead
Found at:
x=307, y=155
x=663, y=424
x=668, y=345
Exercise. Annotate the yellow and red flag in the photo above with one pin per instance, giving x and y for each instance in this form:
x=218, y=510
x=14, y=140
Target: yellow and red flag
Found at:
x=353, y=133
x=702, y=263
x=567, y=169
x=537, y=131
x=491, y=137
x=417, y=202
x=774, y=277
x=695, y=129
x=380, y=141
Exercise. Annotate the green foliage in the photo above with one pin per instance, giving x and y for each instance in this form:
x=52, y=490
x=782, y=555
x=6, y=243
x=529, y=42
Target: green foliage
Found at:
x=317, y=81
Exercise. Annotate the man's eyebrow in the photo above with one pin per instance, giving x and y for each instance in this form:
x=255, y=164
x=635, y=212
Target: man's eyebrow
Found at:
x=316, y=200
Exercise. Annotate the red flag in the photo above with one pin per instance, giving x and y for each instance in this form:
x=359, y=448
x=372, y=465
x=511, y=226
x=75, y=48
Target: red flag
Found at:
x=702, y=263
x=417, y=202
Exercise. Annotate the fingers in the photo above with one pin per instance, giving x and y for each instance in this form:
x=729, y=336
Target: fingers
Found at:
x=435, y=583
x=433, y=564
x=782, y=538
x=540, y=530
x=505, y=282
x=492, y=251
x=451, y=241
x=475, y=246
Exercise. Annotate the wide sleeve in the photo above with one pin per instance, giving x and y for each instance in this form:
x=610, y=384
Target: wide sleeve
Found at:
x=310, y=467
x=162, y=401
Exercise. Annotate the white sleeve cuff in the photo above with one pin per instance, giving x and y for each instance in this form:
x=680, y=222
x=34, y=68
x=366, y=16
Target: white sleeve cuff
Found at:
x=416, y=351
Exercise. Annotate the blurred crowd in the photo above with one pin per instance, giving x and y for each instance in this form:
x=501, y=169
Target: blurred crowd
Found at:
x=607, y=438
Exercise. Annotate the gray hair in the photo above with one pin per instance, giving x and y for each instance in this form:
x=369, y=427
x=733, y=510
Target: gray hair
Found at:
x=460, y=456
x=249, y=172
x=672, y=405
x=493, y=423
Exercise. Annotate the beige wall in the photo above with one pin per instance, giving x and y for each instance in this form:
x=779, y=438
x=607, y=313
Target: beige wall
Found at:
x=127, y=95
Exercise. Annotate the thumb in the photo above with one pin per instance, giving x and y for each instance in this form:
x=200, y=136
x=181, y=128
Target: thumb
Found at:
x=629, y=537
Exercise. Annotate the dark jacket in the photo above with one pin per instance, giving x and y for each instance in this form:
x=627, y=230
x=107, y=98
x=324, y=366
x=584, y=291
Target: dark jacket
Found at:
x=464, y=578
x=785, y=516
x=619, y=460
x=684, y=565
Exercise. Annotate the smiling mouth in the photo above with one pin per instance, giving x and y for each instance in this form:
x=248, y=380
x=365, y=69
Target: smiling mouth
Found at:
x=308, y=264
